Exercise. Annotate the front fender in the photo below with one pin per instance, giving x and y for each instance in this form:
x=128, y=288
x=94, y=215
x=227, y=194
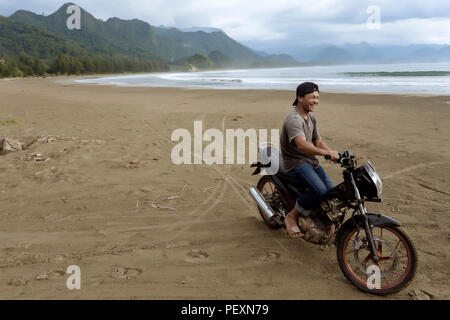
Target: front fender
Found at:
x=378, y=219
x=375, y=220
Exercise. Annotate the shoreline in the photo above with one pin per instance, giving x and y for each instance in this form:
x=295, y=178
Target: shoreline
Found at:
x=205, y=87
x=74, y=78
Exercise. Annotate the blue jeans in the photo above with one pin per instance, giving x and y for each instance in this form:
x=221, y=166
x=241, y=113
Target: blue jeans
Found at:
x=316, y=179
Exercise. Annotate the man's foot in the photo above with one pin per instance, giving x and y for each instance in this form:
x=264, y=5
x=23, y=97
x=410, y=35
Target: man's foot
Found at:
x=292, y=226
x=303, y=212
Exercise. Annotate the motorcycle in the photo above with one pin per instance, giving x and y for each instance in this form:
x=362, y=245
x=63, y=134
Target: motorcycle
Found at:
x=373, y=252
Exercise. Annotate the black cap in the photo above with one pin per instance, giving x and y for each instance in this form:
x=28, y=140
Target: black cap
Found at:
x=305, y=88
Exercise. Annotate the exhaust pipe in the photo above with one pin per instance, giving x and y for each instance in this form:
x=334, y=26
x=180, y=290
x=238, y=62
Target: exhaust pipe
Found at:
x=262, y=204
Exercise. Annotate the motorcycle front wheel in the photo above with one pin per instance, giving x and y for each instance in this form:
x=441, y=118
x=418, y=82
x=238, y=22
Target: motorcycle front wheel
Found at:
x=397, y=259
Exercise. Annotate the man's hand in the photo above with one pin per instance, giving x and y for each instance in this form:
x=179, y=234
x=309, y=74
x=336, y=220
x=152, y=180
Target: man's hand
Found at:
x=334, y=155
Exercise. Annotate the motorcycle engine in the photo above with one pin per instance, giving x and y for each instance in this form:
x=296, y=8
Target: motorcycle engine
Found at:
x=319, y=227
x=316, y=229
x=334, y=208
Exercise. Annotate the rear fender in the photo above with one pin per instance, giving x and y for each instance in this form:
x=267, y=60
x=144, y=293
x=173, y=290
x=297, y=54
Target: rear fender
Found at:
x=289, y=202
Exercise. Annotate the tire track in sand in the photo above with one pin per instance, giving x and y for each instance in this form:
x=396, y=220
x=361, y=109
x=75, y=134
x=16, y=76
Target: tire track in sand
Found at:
x=415, y=167
x=188, y=224
x=219, y=198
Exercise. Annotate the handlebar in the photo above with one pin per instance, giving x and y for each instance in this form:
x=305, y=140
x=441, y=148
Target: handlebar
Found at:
x=346, y=159
x=328, y=157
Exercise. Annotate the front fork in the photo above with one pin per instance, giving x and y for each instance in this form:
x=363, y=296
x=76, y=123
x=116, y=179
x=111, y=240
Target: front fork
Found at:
x=369, y=236
x=367, y=229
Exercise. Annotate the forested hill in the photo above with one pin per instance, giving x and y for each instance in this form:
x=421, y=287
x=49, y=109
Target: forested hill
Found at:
x=29, y=40
x=189, y=43
x=138, y=37
x=27, y=50
x=17, y=38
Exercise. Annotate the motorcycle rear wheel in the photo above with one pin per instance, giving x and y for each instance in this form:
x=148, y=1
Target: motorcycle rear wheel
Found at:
x=268, y=190
x=394, y=271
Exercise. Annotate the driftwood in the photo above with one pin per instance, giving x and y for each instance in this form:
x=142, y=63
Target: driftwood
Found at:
x=10, y=145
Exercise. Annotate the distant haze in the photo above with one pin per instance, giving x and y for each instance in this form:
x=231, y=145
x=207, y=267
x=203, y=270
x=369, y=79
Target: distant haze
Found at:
x=278, y=26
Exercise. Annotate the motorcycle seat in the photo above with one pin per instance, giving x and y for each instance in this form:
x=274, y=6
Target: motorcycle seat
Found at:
x=271, y=154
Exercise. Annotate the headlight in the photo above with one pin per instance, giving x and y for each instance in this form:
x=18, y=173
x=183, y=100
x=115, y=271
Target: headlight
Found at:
x=375, y=178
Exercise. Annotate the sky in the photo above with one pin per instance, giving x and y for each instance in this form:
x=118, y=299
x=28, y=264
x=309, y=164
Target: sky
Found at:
x=271, y=24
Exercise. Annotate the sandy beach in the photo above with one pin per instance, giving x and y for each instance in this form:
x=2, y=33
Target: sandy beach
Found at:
x=97, y=188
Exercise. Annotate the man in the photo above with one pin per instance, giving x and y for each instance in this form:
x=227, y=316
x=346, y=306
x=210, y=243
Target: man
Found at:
x=300, y=142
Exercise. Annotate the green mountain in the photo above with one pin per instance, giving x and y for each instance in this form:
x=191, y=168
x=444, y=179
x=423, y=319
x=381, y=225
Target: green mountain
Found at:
x=33, y=44
x=189, y=43
x=137, y=38
x=281, y=58
x=28, y=49
x=17, y=38
x=114, y=36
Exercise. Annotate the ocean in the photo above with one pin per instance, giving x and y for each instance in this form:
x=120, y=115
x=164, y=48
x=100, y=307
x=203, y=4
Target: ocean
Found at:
x=413, y=78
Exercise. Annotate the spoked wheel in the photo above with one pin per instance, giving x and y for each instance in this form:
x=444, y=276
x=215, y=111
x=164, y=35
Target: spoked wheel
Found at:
x=270, y=193
x=394, y=270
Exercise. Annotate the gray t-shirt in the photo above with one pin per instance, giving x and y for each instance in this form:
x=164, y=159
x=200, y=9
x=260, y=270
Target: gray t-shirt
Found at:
x=295, y=125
